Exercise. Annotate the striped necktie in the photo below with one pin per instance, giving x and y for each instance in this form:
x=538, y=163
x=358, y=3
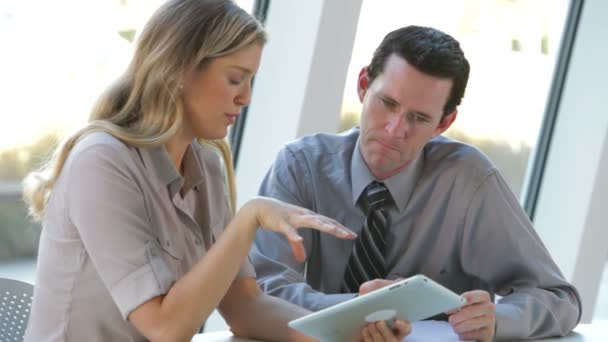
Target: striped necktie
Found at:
x=367, y=259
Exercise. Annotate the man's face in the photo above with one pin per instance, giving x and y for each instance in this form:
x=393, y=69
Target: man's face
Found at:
x=402, y=111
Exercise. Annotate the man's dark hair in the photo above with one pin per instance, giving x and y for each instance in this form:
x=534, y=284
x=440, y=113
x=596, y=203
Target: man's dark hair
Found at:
x=429, y=50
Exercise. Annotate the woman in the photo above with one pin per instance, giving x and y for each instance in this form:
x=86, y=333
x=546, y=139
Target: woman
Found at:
x=132, y=203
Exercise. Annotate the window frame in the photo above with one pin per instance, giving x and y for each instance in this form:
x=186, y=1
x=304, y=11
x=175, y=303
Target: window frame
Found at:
x=538, y=161
x=260, y=11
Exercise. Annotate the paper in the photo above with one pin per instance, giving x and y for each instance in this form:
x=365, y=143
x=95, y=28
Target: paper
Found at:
x=423, y=331
x=431, y=331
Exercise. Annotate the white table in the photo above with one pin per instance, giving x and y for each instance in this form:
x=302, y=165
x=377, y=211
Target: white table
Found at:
x=596, y=332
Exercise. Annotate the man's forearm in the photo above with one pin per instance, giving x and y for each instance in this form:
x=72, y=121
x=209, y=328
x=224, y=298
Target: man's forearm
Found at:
x=286, y=286
x=532, y=315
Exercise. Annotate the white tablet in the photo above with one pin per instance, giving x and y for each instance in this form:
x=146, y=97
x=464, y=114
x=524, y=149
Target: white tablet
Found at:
x=411, y=299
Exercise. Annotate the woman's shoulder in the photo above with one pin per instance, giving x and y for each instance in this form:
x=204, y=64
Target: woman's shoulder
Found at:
x=96, y=149
x=96, y=156
x=99, y=140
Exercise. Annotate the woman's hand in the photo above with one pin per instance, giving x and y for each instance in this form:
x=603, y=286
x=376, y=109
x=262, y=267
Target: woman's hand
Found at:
x=286, y=218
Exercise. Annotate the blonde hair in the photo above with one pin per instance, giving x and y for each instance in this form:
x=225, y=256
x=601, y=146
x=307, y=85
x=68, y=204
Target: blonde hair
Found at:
x=143, y=107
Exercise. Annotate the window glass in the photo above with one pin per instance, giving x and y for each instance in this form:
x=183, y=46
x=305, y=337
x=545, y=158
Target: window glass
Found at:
x=57, y=57
x=512, y=46
x=247, y=5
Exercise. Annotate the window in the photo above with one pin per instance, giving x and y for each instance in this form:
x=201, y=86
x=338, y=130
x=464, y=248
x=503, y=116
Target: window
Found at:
x=509, y=43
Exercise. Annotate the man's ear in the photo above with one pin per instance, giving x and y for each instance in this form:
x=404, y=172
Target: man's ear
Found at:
x=362, y=83
x=446, y=122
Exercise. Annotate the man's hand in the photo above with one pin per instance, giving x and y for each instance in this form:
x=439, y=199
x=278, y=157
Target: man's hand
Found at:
x=380, y=332
x=375, y=284
x=476, y=320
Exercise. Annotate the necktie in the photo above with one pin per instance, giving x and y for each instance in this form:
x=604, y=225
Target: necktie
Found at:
x=367, y=259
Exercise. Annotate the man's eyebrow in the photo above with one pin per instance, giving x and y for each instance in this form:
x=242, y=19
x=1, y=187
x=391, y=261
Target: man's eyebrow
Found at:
x=392, y=101
x=423, y=114
x=388, y=98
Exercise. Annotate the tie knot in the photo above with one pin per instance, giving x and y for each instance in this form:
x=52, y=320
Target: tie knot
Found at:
x=376, y=197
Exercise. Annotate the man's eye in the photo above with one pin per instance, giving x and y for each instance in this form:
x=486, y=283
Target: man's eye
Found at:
x=421, y=118
x=416, y=117
x=387, y=103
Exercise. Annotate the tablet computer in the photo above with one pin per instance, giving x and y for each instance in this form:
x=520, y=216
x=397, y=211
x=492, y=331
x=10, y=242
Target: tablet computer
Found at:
x=410, y=299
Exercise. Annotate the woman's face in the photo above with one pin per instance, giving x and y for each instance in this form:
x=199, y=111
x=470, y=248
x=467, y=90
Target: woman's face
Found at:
x=214, y=95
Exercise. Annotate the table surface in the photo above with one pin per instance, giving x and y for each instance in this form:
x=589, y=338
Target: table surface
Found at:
x=595, y=332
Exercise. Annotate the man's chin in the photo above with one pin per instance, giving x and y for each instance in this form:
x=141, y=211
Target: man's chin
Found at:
x=381, y=173
x=385, y=171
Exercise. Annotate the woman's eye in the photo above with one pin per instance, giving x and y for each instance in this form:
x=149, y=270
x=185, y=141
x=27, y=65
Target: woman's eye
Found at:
x=235, y=82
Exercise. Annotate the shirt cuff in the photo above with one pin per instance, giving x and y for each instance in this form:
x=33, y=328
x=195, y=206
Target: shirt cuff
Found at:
x=152, y=279
x=508, y=327
x=332, y=299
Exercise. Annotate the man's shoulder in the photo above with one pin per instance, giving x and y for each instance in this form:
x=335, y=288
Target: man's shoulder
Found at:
x=445, y=152
x=323, y=144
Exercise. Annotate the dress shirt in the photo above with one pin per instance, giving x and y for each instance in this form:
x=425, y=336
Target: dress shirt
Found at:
x=454, y=220
x=117, y=233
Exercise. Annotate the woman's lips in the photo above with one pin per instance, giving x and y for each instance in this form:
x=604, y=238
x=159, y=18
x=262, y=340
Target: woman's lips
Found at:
x=232, y=117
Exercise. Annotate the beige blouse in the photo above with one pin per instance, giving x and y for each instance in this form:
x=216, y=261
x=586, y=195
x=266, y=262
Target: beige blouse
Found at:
x=117, y=233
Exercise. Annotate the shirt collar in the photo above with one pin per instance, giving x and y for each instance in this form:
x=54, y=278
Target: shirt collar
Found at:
x=193, y=168
x=157, y=160
x=400, y=185
x=360, y=174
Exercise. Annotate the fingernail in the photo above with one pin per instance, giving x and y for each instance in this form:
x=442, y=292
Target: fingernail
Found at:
x=348, y=233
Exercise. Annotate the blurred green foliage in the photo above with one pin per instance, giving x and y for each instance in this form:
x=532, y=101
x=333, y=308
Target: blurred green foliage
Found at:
x=18, y=234
x=15, y=163
x=128, y=35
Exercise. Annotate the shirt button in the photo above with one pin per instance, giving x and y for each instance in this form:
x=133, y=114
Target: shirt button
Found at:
x=197, y=241
x=167, y=243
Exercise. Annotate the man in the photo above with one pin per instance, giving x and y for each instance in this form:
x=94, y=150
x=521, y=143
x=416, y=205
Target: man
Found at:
x=421, y=203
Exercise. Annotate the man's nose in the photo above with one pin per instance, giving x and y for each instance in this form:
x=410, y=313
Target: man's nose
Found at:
x=397, y=126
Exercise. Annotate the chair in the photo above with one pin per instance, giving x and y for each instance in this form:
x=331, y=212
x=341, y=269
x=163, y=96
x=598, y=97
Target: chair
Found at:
x=15, y=302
